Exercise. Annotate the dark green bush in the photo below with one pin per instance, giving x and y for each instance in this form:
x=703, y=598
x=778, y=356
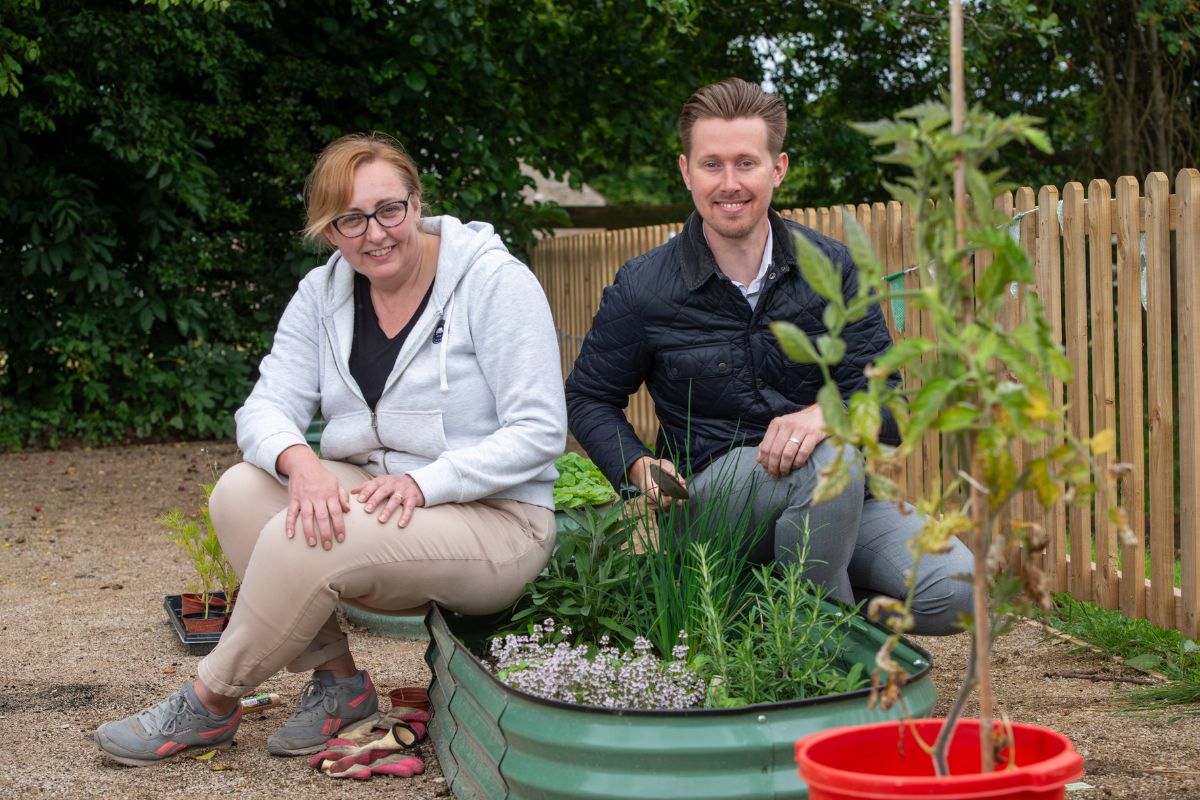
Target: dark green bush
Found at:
x=153, y=158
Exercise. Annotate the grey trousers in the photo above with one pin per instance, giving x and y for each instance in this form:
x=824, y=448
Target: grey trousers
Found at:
x=856, y=548
x=470, y=557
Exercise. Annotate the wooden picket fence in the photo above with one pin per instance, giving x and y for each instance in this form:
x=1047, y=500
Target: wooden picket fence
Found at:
x=1119, y=276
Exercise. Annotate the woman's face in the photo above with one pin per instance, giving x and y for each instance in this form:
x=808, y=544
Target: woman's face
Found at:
x=384, y=255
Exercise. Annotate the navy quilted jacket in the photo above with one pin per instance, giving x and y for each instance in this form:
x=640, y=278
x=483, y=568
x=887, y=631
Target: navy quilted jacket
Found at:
x=672, y=320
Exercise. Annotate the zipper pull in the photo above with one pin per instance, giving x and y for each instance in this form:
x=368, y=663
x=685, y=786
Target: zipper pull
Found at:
x=437, y=332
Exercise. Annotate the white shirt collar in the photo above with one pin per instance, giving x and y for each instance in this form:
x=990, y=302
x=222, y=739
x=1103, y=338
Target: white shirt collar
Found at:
x=752, y=291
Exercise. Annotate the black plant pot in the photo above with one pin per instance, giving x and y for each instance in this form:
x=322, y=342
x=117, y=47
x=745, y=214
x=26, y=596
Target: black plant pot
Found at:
x=196, y=643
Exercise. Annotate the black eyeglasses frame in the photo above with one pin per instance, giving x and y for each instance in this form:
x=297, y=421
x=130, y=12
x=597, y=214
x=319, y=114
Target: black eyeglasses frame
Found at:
x=372, y=216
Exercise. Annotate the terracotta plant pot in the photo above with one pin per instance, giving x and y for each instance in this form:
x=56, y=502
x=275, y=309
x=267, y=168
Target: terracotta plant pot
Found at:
x=410, y=697
x=193, y=603
x=198, y=623
x=875, y=760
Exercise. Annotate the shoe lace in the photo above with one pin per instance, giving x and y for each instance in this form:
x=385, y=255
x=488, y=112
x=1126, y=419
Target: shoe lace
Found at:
x=165, y=717
x=316, y=702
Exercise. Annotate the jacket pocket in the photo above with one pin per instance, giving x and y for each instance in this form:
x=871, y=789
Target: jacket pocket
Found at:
x=697, y=361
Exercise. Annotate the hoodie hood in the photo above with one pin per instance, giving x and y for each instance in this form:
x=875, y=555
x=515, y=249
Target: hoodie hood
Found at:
x=464, y=245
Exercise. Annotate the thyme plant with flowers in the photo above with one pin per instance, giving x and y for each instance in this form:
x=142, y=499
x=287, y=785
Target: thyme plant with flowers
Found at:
x=603, y=676
x=982, y=383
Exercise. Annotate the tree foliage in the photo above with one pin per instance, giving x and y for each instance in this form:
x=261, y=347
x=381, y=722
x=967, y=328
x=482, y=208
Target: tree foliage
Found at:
x=154, y=153
x=154, y=149
x=1116, y=84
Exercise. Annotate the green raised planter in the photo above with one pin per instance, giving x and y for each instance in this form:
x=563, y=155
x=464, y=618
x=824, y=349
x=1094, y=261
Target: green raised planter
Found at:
x=494, y=742
x=393, y=626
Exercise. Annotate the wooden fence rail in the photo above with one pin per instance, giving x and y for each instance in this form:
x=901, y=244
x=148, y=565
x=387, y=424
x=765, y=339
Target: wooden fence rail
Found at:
x=1118, y=271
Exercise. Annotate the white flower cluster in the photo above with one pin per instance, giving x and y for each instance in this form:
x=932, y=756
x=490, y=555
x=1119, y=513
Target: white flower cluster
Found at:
x=602, y=676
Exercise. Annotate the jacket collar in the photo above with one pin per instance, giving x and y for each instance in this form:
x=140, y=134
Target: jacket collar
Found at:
x=697, y=263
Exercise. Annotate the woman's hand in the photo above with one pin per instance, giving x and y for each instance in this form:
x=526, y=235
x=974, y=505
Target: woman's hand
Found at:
x=392, y=493
x=315, y=495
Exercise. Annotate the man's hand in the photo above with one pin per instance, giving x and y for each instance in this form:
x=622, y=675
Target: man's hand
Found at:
x=315, y=495
x=639, y=476
x=393, y=493
x=790, y=440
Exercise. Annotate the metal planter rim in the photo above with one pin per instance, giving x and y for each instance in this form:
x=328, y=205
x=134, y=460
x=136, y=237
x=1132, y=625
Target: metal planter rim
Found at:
x=924, y=662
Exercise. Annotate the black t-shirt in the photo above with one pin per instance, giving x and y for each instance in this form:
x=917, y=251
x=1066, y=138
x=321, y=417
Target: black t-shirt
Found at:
x=373, y=354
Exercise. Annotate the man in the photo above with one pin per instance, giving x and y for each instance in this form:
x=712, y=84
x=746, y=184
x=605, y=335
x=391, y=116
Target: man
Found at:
x=691, y=320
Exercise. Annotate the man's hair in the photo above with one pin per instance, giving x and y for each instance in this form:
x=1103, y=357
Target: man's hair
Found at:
x=730, y=99
x=331, y=182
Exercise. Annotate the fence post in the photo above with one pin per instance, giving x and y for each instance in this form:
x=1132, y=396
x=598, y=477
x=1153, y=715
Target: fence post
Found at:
x=1160, y=400
x=1075, y=337
x=1131, y=393
x=1049, y=277
x=1099, y=222
x=1187, y=243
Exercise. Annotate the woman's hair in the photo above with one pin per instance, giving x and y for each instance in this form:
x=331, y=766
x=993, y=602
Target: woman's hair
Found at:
x=730, y=99
x=331, y=183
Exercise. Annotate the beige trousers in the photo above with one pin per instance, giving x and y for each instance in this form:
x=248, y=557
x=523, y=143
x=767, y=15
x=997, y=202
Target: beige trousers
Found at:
x=474, y=558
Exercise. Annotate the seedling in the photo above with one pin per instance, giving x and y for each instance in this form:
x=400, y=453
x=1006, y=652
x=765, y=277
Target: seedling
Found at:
x=198, y=539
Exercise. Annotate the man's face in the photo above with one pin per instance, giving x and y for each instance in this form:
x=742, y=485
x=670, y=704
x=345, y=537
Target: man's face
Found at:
x=732, y=174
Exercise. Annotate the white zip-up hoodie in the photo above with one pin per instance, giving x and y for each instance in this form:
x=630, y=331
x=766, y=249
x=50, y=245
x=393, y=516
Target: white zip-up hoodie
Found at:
x=474, y=405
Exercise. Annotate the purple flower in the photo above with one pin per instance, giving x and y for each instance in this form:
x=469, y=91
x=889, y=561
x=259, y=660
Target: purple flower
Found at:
x=598, y=675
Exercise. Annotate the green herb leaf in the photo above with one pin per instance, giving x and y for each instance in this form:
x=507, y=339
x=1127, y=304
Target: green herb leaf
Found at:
x=580, y=483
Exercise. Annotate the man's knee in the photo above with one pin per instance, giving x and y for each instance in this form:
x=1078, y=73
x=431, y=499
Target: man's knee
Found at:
x=945, y=596
x=802, y=481
x=827, y=453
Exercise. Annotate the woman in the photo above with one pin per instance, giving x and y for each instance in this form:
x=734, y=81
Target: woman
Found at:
x=431, y=354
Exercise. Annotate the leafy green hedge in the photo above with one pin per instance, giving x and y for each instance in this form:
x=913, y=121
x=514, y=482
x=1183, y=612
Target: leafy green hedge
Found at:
x=152, y=163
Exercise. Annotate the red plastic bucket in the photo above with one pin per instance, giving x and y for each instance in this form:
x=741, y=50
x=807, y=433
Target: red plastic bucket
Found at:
x=883, y=761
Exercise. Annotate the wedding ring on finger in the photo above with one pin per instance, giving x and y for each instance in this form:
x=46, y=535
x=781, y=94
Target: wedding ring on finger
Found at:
x=794, y=440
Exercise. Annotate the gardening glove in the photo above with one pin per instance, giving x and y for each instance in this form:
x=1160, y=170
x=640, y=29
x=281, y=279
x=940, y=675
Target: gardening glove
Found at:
x=376, y=726
x=340, y=755
x=393, y=764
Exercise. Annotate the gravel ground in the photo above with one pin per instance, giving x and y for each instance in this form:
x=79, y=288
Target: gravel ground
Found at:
x=84, y=638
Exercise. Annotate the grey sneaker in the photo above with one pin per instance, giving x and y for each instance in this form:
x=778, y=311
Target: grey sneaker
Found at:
x=179, y=724
x=326, y=705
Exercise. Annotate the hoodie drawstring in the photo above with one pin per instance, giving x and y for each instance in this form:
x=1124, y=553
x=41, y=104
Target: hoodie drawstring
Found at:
x=439, y=337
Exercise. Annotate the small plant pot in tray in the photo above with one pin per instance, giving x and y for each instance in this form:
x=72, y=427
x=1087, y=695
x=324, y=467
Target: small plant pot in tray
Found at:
x=201, y=623
x=197, y=643
x=193, y=603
